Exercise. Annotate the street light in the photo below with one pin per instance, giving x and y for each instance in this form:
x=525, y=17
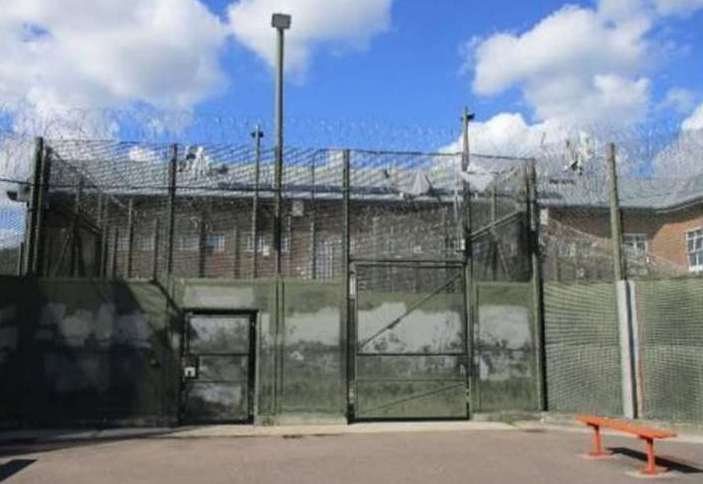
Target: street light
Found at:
x=280, y=22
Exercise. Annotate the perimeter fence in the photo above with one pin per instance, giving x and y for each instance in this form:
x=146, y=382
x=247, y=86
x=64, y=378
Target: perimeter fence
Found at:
x=538, y=258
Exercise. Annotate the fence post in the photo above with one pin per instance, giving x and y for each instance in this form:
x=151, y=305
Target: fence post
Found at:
x=98, y=246
x=33, y=210
x=615, y=215
x=313, y=224
x=130, y=237
x=20, y=259
x=235, y=251
x=347, y=325
x=537, y=295
x=76, y=245
x=171, y=209
x=105, y=242
x=202, y=244
x=39, y=257
x=622, y=292
x=155, y=260
x=257, y=135
x=471, y=323
x=115, y=247
x=494, y=233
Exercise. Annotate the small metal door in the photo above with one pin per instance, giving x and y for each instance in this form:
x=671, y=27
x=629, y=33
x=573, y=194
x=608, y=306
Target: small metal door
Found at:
x=218, y=367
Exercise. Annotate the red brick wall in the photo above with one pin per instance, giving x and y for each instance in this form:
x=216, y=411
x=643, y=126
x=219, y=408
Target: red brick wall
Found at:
x=666, y=232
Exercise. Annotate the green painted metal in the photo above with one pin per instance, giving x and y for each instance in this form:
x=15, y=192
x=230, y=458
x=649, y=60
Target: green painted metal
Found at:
x=582, y=348
x=86, y=352
x=410, y=346
x=506, y=374
x=670, y=314
x=313, y=373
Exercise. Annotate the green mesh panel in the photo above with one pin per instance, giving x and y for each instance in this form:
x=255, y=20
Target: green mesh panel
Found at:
x=670, y=315
x=582, y=345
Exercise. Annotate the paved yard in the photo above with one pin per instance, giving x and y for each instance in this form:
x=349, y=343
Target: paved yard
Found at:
x=466, y=456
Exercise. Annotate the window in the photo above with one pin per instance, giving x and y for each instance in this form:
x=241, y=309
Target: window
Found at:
x=694, y=241
x=567, y=249
x=215, y=243
x=188, y=242
x=635, y=244
x=122, y=242
x=144, y=243
x=262, y=245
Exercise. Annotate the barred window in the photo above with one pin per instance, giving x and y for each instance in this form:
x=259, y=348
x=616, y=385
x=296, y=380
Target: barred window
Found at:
x=144, y=243
x=215, y=243
x=635, y=244
x=263, y=246
x=694, y=241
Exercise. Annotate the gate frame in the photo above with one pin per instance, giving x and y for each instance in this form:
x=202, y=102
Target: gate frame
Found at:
x=352, y=302
x=252, y=364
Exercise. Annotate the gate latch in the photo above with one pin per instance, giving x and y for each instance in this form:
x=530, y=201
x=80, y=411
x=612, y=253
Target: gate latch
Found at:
x=190, y=368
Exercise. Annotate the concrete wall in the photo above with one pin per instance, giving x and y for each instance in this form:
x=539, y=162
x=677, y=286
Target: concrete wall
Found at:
x=86, y=352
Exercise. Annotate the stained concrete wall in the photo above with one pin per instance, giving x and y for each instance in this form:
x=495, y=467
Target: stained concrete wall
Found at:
x=77, y=351
x=300, y=370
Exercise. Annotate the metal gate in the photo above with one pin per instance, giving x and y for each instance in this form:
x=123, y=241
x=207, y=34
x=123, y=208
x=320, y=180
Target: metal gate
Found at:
x=218, y=367
x=410, y=342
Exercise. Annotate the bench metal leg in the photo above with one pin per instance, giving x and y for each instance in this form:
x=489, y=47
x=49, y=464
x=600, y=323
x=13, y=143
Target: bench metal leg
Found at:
x=651, y=468
x=597, y=443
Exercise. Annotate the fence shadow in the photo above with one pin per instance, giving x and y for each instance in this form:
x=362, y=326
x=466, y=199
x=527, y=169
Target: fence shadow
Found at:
x=678, y=466
x=12, y=467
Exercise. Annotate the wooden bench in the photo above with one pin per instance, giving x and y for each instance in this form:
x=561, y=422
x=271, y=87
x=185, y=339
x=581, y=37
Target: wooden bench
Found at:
x=648, y=434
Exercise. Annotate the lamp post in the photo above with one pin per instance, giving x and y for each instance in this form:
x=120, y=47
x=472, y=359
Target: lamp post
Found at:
x=281, y=22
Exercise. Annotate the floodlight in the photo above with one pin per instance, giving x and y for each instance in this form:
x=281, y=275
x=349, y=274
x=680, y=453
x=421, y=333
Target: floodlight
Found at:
x=280, y=21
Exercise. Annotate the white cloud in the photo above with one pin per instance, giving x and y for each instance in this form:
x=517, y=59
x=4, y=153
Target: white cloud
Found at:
x=57, y=56
x=679, y=99
x=345, y=23
x=575, y=66
x=579, y=66
x=506, y=134
x=584, y=68
x=694, y=121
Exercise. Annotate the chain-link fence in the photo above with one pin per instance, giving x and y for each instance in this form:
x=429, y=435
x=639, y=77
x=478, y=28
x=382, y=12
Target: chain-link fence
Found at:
x=467, y=247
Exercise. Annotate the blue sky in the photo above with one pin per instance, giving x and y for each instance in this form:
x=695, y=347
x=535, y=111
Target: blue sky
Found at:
x=414, y=73
x=529, y=70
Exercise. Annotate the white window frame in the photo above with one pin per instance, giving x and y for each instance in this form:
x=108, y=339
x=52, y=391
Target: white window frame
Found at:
x=695, y=235
x=215, y=243
x=263, y=245
x=632, y=248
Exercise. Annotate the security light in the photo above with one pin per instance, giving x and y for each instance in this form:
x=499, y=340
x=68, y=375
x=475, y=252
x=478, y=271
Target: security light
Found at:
x=280, y=21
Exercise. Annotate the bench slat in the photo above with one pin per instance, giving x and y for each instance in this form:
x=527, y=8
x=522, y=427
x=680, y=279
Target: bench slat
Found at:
x=623, y=426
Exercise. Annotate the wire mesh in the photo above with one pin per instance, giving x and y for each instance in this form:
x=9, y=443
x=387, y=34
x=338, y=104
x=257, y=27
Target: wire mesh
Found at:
x=16, y=153
x=582, y=348
x=406, y=207
x=670, y=316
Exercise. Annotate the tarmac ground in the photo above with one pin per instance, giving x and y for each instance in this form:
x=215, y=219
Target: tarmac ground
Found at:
x=370, y=453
